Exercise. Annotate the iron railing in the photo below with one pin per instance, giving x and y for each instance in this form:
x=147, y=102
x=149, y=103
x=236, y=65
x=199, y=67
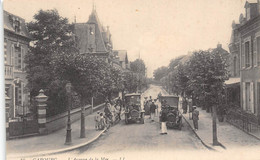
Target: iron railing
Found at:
x=244, y=121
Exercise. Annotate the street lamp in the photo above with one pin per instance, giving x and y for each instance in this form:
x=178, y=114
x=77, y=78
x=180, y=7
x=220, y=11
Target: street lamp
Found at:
x=68, y=134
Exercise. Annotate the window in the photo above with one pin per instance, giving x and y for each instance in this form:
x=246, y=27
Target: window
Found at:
x=258, y=49
x=247, y=54
x=235, y=66
x=12, y=55
x=5, y=50
x=18, y=58
x=258, y=95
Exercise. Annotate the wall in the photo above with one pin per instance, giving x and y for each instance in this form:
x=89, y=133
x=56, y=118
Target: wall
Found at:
x=60, y=121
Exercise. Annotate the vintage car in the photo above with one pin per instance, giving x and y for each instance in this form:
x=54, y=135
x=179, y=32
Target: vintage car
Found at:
x=133, y=110
x=170, y=108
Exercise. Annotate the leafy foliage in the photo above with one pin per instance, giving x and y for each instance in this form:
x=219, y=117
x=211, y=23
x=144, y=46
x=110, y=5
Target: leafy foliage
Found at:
x=51, y=35
x=160, y=73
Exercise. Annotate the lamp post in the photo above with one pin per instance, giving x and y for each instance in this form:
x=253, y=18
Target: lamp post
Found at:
x=68, y=134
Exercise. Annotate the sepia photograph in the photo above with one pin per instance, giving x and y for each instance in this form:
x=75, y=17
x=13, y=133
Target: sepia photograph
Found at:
x=130, y=79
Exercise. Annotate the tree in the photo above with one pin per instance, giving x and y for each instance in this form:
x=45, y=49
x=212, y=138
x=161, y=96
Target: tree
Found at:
x=207, y=73
x=51, y=35
x=175, y=62
x=160, y=73
x=138, y=66
x=130, y=81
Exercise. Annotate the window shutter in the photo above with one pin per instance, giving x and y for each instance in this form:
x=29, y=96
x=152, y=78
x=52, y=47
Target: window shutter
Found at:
x=255, y=53
x=12, y=55
x=244, y=96
x=243, y=56
x=250, y=54
x=252, y=97
x=22, y=54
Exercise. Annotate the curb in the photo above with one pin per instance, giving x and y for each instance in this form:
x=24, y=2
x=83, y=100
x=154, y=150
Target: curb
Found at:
x=37, y=154
x=208, y=147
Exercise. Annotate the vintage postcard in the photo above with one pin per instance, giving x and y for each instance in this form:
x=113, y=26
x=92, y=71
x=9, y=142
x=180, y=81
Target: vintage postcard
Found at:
x=131, y=79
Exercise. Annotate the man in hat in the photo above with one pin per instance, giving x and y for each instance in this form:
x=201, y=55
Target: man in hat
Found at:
x=195, y=118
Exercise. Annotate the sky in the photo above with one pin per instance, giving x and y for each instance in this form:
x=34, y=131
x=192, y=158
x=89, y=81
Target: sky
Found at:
x=158, y=30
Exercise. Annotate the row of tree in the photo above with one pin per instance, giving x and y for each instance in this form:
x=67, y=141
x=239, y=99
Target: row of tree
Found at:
x=54, y=60
x=199, y=76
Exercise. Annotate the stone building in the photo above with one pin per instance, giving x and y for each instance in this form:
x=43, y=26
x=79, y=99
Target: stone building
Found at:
x=245, y=49
x=93, y=38
x=16, y=44
x=122, y=58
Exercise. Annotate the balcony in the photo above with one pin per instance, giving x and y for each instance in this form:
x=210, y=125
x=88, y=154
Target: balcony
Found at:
x=9, y=72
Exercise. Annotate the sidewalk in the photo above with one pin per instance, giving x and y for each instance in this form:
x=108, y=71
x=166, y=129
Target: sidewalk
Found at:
x=228, y=135
x=54, y=142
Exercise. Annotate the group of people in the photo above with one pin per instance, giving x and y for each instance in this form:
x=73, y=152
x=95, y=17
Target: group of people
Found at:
x=151, y=107
x=110, y=115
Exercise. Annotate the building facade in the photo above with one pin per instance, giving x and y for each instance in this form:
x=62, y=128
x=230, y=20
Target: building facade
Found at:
x=16, y=45
x=245, y=48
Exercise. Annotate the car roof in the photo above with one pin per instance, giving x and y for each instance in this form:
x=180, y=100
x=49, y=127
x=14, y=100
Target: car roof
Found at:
x=133, y=94
x=170, y=96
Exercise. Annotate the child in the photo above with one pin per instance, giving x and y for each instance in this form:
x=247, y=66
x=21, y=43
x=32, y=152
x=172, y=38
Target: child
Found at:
x=102, y=124
x=97, y=120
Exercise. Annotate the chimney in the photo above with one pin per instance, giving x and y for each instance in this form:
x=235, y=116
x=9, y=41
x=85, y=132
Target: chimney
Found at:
x=219, y=45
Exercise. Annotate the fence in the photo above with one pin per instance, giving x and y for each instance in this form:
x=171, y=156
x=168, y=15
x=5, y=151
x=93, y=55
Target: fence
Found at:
x=246, y=122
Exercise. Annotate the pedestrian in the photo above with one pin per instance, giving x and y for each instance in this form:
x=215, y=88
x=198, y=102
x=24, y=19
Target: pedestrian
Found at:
x=156, y=104
x=97, y=121
x=149, y=104
x=184, y=105
x=102, y=124
x=195, y=118
x=108, y=112
x=119, y=103
x=163, y=122
x=152, y=110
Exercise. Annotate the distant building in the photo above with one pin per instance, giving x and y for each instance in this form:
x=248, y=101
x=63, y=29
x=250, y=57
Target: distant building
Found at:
x=92, y=38
x=16, y=44
x=121, y=57
x=245, y=48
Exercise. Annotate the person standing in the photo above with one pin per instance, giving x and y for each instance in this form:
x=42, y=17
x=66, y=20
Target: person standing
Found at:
x=119, y=103
x=184, y=105
x=195, y=118
x=152, y=110
x=97, y=120
x=163, y=122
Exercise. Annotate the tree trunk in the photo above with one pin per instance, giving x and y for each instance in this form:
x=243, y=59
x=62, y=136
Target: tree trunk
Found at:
x=214, y=126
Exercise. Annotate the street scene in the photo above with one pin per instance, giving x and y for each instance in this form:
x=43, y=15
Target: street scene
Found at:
x=119, y=80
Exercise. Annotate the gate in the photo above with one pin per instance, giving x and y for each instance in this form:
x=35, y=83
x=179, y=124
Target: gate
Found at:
x=22, y=128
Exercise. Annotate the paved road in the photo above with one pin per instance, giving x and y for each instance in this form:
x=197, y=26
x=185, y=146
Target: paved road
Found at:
x=142, y=137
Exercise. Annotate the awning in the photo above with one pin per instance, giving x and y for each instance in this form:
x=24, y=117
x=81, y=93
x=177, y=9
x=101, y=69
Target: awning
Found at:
x=232, y=81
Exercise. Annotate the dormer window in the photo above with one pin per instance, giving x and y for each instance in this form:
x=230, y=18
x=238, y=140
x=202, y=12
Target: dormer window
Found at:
x=91, y=31
x=15, y=22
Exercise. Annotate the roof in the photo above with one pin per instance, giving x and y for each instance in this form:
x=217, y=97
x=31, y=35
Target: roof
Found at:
x=232, y=80
x=133, y=94
x=102, y=36
x=9, y=26
x=169, y=96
